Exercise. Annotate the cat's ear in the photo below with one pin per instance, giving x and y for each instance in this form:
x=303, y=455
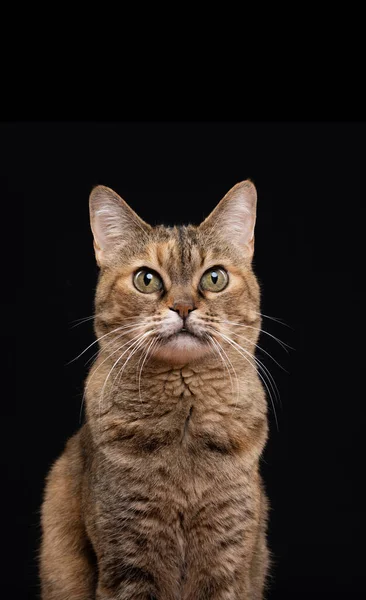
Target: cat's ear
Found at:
x=234, y=217
x=113, y=223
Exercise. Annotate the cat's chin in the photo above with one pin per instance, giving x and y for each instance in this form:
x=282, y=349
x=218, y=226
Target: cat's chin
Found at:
x=182, y=348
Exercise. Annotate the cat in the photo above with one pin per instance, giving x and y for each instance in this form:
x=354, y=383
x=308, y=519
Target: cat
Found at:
x=159, y=496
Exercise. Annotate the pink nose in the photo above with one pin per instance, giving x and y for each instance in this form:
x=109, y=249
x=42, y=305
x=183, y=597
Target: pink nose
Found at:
x=183, y=308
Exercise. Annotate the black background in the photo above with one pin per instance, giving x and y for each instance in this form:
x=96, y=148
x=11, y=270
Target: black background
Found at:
x=308, y=251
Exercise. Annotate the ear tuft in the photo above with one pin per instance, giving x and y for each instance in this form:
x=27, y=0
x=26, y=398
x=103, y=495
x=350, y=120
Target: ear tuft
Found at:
x=113, y=223
x=234, y=217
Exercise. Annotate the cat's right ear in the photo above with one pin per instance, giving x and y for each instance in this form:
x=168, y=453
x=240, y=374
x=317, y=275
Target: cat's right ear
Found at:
x=113, y=224
x=233, y=219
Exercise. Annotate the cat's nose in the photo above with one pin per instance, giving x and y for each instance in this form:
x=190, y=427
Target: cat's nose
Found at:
x=183, y=308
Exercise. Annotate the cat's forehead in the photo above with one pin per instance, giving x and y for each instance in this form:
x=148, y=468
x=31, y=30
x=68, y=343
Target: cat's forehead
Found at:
x=177, y=250
x=182, y=250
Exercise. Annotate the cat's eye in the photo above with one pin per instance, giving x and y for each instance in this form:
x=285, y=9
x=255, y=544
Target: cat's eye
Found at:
x=214, y=280
x=147, y=281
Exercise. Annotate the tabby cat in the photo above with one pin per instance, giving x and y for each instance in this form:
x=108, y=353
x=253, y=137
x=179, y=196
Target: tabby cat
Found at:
x=158, y=496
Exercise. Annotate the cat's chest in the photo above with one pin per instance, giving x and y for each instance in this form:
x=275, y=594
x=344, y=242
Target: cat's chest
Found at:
x=183, y=444
x=183, y=451
x=188, y=434
x=182, y=418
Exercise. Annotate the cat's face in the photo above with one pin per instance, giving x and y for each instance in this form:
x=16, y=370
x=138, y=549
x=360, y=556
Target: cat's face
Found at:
x=174, y=293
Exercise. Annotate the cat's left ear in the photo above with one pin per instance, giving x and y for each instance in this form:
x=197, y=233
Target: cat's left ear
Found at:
x=114, y=225
x=234, y=217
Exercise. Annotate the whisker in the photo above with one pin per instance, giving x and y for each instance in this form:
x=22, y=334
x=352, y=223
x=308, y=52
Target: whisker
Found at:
x=138, y=345
x=125, y=332
x=218, y=351
x=259, y=348
x=280, y=321
x=227, y=362
x=95, y=342
x=241, y=351
x=264, y=369
x=233, y=368
x=95, y=316
x=132, y=345
x=98, y=367
x=122, y=327
x=81, y=321
x=152, y=343
x=282, y=344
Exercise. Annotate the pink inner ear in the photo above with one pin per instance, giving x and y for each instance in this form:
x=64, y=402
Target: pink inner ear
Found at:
x=234, y=217
x=108, y=224
x=113, y=222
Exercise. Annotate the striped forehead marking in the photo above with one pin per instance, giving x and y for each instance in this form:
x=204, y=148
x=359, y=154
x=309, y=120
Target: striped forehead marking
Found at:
x=185, y=246
x=180, y=252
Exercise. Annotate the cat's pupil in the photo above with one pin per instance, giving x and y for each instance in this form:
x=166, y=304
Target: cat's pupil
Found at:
x=147, y=278
x=214, y=277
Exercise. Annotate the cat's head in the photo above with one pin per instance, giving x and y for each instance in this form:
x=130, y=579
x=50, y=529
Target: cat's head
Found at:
x=174, y=292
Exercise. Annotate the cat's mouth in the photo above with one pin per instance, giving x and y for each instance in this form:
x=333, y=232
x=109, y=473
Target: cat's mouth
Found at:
x=182, y=333
x=183, y=345
x=185, y=332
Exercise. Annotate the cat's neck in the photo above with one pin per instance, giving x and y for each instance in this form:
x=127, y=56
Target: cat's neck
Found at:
x=157, y=401
x=158, y=381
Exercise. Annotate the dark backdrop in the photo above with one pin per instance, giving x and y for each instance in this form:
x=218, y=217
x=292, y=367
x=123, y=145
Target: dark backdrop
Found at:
x=308, y=178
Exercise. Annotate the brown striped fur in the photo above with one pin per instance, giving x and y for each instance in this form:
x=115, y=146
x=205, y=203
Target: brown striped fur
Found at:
x=159, y=496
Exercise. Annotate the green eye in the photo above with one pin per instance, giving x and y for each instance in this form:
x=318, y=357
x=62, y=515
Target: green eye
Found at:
x=214, y=280
x=147, y=281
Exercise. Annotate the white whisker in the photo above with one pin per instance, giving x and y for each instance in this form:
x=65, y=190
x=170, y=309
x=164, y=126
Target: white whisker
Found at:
x=280, y=321
x=96, y=341
x=282, y=344
x=133, y=344
x=243, y=353
x=259, y=348
x=96, y=316
x=145, y=356
x=78, y=322
x=264, y=369
x=226, y=361
x=139, y=345
x=125, y=332
x=98, y=367
x=136, y=342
